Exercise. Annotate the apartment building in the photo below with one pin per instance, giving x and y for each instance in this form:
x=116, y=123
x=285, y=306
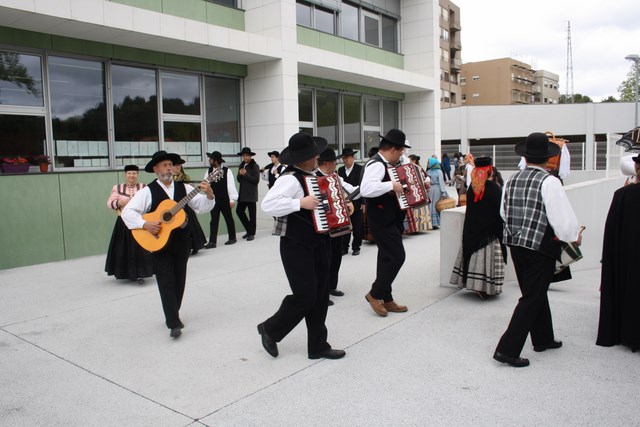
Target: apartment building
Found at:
x=450, y=55
x=497, y=82
x=546, y=87
x=98, y=84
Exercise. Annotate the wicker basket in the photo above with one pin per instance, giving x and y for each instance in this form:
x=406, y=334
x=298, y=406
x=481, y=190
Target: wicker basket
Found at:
x=445, y=203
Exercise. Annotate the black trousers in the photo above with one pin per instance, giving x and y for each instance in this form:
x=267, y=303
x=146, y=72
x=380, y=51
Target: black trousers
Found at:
x=532, y=314
x=225, y=209
x=358, y=232
x=170, y=268
x=336, y=261
x=249, y=223
x=307, y=270
x=391, y=256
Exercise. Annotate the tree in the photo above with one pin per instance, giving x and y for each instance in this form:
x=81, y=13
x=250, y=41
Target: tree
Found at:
x=577, y=99
x=625, y=89
x=610, y=98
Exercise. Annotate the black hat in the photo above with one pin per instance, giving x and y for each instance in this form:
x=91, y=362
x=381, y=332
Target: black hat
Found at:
x=537, y=145
x=328, y=154
x=636, y=159
x=216, y=155
x=483, y=161
x=302, y=147
x=348, y=152
x=160, y=156
x=181, y=161
x=396, y=137
x=273, y=153
x=131, y=168
x=246, y=150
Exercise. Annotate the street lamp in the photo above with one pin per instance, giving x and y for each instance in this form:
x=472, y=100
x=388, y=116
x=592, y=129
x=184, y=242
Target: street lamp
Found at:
x=636, y=59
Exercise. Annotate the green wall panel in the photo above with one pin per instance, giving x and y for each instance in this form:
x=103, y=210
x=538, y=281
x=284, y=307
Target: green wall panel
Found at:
x=133, y=54
x=188, y=9
x=225, y=16
x=31, y=227
x=155, y=5
x=87, y=222
x=85, y=47
x=186, y=62
x=347, y=87
x=25, y=38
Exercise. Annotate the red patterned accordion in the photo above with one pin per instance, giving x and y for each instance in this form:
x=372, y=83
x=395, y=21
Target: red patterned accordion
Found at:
x=415, y=192
x=331, y=216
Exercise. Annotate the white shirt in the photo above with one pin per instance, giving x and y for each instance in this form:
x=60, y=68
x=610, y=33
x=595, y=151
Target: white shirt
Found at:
x=284, y=197
x=141, y=204
x=469, y=167
x=564, y=168
x=347, y=171
x=560, y=214
x=231, y=184
x=371, y=184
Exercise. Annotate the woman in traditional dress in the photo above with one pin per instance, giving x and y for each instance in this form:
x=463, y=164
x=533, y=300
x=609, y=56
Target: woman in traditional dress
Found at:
x=479, y=266
x=420, y=217
x=198, y=239
x=125, y=258
x=437, y=190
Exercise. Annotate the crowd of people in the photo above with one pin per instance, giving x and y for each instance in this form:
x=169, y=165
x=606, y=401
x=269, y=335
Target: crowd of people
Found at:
x=528, y=216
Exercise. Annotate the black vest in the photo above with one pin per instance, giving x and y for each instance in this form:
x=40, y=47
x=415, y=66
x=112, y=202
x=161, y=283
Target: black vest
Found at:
x=354, y=178
x=272, y=177
x=220, y=189
x=384, y=209
x=158, y=195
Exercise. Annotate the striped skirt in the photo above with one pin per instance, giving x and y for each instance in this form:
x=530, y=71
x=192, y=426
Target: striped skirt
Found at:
x=486, y=270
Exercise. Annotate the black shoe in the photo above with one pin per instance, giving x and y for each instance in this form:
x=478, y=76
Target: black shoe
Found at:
x=336, y=293
x=330, y=303
x=268, y=344
x=245, y=236
x=517, y=362
x=194, y=251
x=175, y=332
x=230, y=242
x=180, y=324
x=328, y=354
x=210, y=245
x=140, y=281
x=551, y=345
x=250, y=237
x=356, y=252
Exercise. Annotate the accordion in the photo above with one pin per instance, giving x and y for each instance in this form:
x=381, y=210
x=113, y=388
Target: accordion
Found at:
x=332, y=215
x=414, y=192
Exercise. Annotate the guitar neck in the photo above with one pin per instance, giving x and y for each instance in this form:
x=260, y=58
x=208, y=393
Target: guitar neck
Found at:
x=214, y=176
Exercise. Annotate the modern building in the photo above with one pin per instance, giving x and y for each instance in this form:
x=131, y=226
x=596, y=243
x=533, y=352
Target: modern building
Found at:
x=546, y=88
x=450, y=55
x=97, y=84
x=497, y=82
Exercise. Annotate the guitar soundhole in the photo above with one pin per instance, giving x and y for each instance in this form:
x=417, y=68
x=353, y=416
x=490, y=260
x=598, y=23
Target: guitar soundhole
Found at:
x=166, y=217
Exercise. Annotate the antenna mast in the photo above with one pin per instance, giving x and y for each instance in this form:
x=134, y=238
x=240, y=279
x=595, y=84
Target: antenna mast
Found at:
x=569, y=85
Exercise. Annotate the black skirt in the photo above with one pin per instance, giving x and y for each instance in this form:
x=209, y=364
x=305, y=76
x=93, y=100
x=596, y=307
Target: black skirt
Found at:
x=125, y=258
x=198, y=239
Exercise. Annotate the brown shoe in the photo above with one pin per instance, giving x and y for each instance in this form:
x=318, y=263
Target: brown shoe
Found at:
x=376, y=304
x=393, y=307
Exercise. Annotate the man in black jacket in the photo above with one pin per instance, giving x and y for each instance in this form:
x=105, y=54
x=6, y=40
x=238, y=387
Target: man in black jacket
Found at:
x=248, y=177
x=351, y=172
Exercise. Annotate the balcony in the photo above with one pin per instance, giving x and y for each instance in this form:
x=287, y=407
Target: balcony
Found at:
x=454, y=43
x=456, y=64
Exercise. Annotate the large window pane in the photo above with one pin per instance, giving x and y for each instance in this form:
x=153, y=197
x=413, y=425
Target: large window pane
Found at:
x=371, y=112
x=371, y=32
x=371, y=139
x=303, y=14
x=222, y=100
x=327, y=112
x=20, y=80
x=352, y=124
x=325, y=21
x=184, y=139
x=349, y=21
x=22, y=136
x=305, y=106
x=180, y=94
x=390, y=115
x=389, y=34
x=78, y=112
x=135, y=114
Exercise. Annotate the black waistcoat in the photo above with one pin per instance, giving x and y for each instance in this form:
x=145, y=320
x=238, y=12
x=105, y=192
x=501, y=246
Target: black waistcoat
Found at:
x=220, y=189
x=158, y=195
x=384, y=209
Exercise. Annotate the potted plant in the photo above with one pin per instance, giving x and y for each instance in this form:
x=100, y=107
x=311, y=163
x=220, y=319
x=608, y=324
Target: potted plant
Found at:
x=42, y=161
x=14, y=164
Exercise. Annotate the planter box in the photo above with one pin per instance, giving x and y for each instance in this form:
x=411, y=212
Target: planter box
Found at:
x=15, y=168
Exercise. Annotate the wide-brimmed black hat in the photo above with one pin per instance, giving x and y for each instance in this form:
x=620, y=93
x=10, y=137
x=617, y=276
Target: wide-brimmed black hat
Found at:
x=273, y=153
x=216, y=155
x=636, y=159
x=537, y=146
x=396, y=137
x=131, y=168
x=483, y=161
x=246, y=150
x=348, y=152
x=329, y=154
x=160, y=156
x=302, y=147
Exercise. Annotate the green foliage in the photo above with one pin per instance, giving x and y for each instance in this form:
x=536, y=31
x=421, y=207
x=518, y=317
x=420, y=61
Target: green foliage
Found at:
x=577, y=99
x=610, y=98
x=625, y=89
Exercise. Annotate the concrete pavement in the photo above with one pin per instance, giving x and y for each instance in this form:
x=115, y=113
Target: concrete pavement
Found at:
x=80, y=348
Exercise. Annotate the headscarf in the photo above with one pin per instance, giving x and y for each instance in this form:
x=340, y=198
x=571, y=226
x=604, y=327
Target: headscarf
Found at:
x=479, y=176
x=434, y=163
x=469, y=159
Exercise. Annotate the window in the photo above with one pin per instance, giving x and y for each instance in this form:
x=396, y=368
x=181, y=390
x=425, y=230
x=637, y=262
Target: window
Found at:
x=352, y=122
x=444, y=13
x=303, y=14
x=370, y=26
x=476, y=95
x=464, y=97
x=325, y=20
x=463, y=81
x=349, y=21
x=389, y=34
x=444, y=34
x=444, y=55
x=327, y=113
x=20, y=80
x=222, y=101
x=475, y=78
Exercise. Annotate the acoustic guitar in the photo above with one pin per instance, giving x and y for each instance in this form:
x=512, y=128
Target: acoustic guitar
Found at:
x=171, y=215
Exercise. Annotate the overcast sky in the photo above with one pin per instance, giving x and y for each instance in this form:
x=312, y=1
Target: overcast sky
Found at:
x=602, y=34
